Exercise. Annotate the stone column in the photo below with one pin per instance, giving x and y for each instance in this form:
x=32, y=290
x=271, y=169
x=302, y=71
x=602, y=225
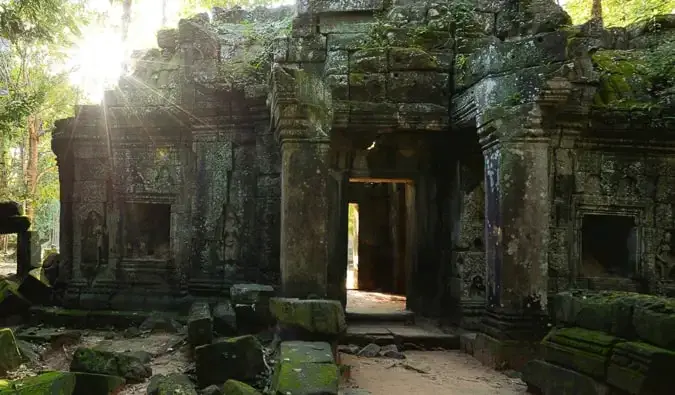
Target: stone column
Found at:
x=517, y=207
x=304, y=216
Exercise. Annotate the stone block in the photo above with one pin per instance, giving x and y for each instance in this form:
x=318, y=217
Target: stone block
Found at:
x=234, y=387
x=654, y=321
x=171, y=384
x=315, y=316
x=412, y=59
x=337, y=62
x=640, y=368
x=579, y=349
x=547, y=378
x=200, y=324
x=51, y=383
x=339, y=86
x=129, y=366
x=347, y=41
x=367, y=87
x=306, y=379
x=418, y=87
x=35, y=287
x=306, y=352
x=11, y=301
x=224, y=319
x=330, y=6
x=467, y=341
x=504, y=354
x=345, y=23
x=10, y=209
x=307, y=49
x=10, y=356
x=371, y=60
x=251, y=293
x=94, y=384
x=239, y=358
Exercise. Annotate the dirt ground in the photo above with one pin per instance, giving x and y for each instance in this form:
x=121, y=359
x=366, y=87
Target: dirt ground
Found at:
x=374, y=301
x=428, y=372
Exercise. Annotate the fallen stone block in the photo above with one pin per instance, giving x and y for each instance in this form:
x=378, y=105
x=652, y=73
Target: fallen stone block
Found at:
x=654, y=322
x=97, y=384
x=369, y=351
x=171, y=384
x=391, y=351
x=224, y=319
x=211, y=390
x=239, y=358
x=54, y=336
x=579, y=349
x=234, y=387
x=10, y=356
x=306, y=379
x=35, y=287
x=316, y=316
x=131, y=367
x=158, y=322
x=51, y=383
x=306, y=352
x=641, y=368
x=11, y=300
x=250, y=293
x=546, y=378
x=200, y=324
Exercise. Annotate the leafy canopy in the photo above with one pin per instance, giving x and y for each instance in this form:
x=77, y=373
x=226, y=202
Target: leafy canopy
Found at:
x=619, y=12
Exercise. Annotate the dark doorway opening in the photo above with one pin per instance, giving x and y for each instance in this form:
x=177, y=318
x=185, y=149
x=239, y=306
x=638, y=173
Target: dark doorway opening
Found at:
x=379, y=256
x=147, y=231
x=609, y=246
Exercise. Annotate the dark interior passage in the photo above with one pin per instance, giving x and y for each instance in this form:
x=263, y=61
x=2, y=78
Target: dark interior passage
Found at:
x=609, y=244
x=378, y=253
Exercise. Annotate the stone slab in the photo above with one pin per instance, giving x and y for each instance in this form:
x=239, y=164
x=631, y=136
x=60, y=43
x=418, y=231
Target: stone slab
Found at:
x=504, y=354
x=548, y=378
x=306, y=352
x=200, y=324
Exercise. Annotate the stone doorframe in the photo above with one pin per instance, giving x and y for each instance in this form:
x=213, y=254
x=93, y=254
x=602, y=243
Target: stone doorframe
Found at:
x=337, y=270
x=582, y=206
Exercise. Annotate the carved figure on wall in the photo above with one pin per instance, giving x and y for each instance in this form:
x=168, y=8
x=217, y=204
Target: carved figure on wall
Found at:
x=92, y=247
x=135, y=181
x=665, y=259
x=164, y=178
x=477, y=288
x=229, y=237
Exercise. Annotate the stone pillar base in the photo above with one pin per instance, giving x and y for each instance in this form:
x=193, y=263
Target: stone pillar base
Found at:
x=504, y=354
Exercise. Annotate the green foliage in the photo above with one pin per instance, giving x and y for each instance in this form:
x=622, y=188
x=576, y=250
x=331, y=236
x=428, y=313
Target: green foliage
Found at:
x=191, y=6
x=619, y=12
x=40, y=20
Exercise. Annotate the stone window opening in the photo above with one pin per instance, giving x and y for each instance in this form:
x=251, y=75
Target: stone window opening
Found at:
x=147, y=231
x=609, y=246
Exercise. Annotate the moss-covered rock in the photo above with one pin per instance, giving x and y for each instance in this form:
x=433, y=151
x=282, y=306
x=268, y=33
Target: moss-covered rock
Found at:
x=52, y=383
x=306, y=379
x=10, y=356
x=131, y=367
x=239, y=358
x=97, y=384
x=640, y=368
x=580, y=349
x=171, y=384
x=234, y=387
x=306, y=352
x=317, y=316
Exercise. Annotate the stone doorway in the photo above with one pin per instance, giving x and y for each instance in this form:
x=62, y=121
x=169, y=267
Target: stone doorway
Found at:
x=609, y=251
x=378, y=244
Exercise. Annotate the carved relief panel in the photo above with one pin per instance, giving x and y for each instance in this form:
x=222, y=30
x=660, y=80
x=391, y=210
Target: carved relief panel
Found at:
x=151, y=170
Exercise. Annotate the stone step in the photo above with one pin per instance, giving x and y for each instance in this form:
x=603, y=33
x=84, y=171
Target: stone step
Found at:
x=406, y=337
x=363, y=316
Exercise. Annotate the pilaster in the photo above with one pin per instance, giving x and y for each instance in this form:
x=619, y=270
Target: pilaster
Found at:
x=304, y=214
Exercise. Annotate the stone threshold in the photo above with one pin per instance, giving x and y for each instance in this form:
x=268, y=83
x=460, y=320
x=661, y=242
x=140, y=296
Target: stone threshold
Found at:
x=406, y=337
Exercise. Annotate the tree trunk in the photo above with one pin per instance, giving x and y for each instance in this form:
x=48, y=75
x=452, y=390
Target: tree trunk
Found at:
x=4, y=164
x=596, y=15
x=126, y=22
x=164, y=4
x=32, y=166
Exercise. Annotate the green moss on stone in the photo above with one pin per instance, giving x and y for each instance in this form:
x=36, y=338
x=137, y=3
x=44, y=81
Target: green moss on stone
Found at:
x=10, y=356
x=234, y=387
x=306, y=379
x=52, y=383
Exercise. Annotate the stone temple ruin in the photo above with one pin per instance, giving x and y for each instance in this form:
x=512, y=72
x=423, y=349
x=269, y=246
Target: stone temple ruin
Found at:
x=499, y=156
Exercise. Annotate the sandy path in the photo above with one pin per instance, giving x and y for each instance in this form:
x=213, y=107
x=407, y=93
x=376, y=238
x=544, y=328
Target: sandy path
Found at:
x=445, y=373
